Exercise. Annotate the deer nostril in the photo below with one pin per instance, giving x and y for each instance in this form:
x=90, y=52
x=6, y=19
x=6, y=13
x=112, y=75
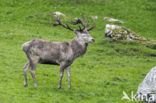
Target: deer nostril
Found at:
x=93, y=40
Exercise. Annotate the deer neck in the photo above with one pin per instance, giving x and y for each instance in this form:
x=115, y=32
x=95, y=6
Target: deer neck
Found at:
x=79, y=47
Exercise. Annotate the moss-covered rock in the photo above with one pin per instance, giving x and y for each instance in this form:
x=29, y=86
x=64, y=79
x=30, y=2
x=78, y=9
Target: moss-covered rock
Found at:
x=121, y=33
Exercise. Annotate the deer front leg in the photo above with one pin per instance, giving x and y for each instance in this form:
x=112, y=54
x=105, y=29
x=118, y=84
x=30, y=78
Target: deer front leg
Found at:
x=26, y=67
x=68, y=75
x=61, y=76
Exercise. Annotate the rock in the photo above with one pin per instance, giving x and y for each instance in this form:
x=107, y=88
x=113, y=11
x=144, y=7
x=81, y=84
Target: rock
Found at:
x=147, y=89
x=94, y=17
x=121, y=33
x=76, y=18
x=113, y=20
x=57, y=14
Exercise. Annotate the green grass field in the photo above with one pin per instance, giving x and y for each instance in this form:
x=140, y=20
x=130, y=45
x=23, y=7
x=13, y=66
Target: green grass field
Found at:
x=100, y=76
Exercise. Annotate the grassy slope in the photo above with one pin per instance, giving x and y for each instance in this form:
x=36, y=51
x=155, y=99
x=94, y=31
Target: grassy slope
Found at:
x=100, y=76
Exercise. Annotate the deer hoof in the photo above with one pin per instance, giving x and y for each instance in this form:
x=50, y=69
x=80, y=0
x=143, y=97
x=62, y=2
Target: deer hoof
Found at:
x=59, y=87
x=25, y=85
x=36, y=85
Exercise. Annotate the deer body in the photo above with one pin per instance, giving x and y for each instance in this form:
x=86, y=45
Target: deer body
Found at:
x=55, y=53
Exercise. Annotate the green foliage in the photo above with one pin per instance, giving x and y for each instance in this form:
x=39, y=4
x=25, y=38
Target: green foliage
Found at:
x=100, y=76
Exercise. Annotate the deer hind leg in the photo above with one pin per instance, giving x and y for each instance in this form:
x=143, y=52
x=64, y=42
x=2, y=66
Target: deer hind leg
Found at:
x=26, y=67
x=33, y=64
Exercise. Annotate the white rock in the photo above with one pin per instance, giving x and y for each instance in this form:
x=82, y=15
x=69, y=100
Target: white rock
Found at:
x=57, y=13
x=76, y=18
x=94, y=17
x=147, y=89
x=113, y=20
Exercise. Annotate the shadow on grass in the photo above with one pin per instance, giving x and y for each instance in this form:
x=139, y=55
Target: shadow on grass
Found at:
x=128, y=48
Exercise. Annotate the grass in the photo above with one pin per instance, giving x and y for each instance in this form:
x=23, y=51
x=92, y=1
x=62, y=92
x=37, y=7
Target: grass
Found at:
x=100, y=76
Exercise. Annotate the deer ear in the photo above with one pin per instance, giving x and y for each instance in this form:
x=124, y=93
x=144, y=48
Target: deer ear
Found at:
x=77, y=32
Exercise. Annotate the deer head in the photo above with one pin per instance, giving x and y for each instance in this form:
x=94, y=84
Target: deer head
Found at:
x=81, y=33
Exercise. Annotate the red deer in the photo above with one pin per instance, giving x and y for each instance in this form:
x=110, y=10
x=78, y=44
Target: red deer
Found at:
x=57, y=53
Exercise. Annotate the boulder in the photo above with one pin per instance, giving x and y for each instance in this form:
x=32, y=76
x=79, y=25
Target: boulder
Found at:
x=113, y=20
x=57, y=14
x=121, y=33
x=94, y=17
x=147, y=89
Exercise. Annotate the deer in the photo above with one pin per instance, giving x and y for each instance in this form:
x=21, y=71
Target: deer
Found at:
x=58, y=53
